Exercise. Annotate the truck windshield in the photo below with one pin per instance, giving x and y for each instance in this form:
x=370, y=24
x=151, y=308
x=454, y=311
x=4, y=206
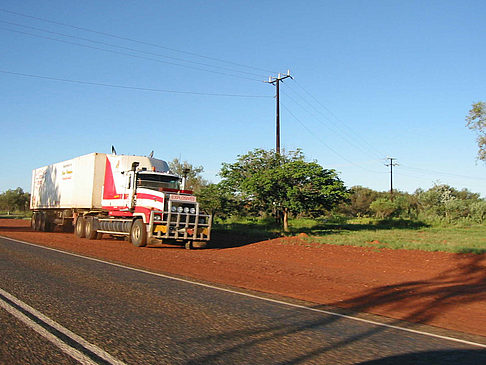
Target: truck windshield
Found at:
x=158, y=182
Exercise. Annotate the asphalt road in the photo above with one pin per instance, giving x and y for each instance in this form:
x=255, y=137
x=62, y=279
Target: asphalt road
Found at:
x=57, y=308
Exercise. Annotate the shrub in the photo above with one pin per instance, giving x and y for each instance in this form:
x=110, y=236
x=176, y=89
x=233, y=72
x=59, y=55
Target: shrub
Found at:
x=383, y=208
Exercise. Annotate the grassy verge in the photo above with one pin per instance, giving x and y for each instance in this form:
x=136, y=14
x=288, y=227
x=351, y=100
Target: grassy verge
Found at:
x=394, y=234
x=15, y=215
x=447, y=239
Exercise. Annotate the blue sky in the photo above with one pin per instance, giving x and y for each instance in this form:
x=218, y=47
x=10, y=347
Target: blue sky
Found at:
x=371, y=79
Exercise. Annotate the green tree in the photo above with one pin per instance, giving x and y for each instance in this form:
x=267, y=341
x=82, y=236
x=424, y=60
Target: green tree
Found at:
x=478, y=211
x=284, y=183
x=194, y=179
x=218, y=200
x=432, y=202
x=383, y=208
x=476, y=121
x=359, y=202
x=14, y=200
x=445, y=202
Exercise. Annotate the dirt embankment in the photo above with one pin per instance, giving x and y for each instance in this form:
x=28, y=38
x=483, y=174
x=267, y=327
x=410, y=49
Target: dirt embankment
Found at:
x=434, y=288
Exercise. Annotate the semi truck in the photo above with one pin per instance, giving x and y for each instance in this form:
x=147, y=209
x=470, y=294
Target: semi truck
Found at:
x=135, y=197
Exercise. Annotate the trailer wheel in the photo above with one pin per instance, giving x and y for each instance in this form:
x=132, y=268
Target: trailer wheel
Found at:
x=89, y=229
x=38, y=222
x=33, y=221
x=43, y=222
x=79, y=230
x=48, y=224
x=138, y=233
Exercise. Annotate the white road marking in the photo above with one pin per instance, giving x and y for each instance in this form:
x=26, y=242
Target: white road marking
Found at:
x=404, y=329
x=71, y=351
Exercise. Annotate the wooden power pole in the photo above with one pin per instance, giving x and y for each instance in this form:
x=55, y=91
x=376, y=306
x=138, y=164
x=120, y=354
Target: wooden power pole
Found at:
x=391, y=164
x=276, y=81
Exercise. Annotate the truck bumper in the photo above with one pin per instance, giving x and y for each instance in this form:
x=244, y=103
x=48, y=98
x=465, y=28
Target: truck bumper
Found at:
x=179, y=226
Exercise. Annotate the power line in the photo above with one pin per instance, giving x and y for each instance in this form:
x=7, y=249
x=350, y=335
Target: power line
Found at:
x=326, y=145
x=371, y=147
x=131, y=40
x=328, y=125
x=130, y=87
x=128, y=54
x=433, y=172
x=126, y=48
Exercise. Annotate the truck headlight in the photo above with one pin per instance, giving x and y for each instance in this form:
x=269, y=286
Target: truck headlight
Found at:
x=173, y=209
x=186, y=210
x=157, y=217
x=193, y=210
x=180, y=209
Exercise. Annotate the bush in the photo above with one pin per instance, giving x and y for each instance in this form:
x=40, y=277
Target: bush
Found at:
x=478, y=211
x=383, y=208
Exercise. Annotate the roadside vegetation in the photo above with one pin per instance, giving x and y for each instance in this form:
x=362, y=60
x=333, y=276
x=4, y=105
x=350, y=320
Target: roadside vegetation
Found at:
x=253, y=202
x=391, y=233
x=14, y=203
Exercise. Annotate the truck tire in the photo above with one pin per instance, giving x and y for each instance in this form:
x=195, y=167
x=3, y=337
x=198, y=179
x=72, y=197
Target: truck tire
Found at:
x=43, y=222
x=138, y=233
x=79, y=230
x=48, y=224
x=90, y=231
x=33, y=221
x=37, y=222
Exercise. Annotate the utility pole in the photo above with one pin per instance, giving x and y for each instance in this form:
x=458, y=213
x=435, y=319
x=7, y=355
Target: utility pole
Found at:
x=276, y=81
x=391, y=164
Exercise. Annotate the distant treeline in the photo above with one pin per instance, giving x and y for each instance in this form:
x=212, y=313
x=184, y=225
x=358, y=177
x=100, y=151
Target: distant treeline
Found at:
x=14, y=200
x=439, y=204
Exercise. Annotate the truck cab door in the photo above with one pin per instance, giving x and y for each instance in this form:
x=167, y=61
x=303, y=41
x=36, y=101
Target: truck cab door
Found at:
x=129, y=189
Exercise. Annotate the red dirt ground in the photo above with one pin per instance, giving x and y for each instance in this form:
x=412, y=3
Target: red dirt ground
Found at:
x=440, y=289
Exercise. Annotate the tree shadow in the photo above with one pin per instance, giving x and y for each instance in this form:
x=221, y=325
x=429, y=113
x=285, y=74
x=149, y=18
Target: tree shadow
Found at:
x=7, y=228
x=421, y=301
x=452, y=357
x=425, y=299
x=228, y=239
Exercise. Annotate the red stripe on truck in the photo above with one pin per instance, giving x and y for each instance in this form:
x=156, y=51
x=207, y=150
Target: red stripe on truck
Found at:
x=109, y=189
x=150, y=196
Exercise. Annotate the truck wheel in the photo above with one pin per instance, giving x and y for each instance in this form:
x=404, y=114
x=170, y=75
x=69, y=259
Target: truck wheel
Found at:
x=38, y=222
x=188, y=245
x=79, y=230
x=89, y=229
x=48, y=223
x=33, y=221
x=138, y=234
x=43, y=222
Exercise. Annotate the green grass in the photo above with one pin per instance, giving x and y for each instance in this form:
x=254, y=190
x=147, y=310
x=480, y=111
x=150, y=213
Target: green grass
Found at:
x=15, y=215
x=448, y=239
x=393, y=234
